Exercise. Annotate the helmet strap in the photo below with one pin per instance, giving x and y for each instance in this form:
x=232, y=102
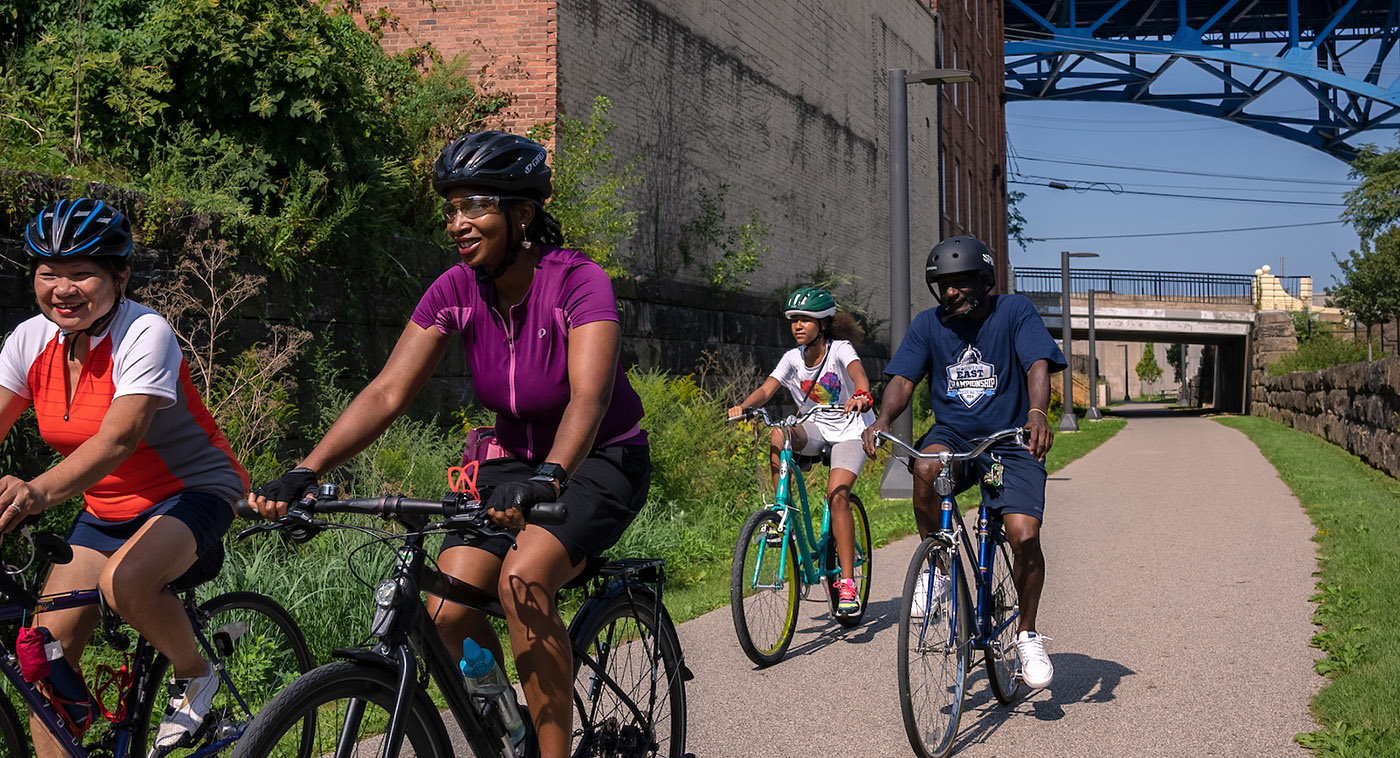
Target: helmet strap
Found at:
x=93, y=328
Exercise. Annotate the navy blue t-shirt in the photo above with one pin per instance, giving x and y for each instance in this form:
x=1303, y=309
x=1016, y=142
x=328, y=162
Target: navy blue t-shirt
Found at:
x=977, y=369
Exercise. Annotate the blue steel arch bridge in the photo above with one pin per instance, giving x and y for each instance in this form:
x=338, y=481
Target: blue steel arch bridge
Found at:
x=1245, y=61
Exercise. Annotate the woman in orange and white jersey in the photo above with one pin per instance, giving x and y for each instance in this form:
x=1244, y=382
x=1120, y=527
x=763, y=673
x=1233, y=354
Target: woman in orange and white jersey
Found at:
x=112, y=393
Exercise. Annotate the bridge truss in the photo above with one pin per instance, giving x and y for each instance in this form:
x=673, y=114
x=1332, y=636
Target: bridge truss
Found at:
x=1231, y=59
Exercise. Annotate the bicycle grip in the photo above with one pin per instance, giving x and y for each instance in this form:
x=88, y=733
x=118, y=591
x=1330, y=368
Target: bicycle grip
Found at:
x=548, y=513
x=241, y=509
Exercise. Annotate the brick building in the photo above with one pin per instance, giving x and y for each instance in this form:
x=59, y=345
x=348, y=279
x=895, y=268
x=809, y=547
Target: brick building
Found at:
x=779, y=104
x=973, y=142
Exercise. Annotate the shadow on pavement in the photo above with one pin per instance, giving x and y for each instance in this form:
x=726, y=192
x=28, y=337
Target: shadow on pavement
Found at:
x=879, y=615
x=1078, y=679
x=1154, y=410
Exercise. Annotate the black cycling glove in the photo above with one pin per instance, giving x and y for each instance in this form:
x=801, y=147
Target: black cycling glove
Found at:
x=521, y=495
x=290, y=487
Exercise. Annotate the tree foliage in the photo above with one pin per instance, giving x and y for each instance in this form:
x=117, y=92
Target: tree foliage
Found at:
x=282, y=115
x=1148, y=370
x=1370, y=288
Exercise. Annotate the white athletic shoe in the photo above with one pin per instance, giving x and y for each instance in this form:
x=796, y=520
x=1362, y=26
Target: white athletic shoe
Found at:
x=941, y=586
x=1036, y=670
x=190, y=700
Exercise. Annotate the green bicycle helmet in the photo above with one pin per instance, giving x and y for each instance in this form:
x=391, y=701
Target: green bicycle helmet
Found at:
x=810, y=301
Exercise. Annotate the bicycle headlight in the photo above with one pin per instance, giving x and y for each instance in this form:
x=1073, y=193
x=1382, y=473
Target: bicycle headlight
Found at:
x=386, y=595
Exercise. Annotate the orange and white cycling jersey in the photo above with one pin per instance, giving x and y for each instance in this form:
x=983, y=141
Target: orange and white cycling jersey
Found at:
x=137, y=354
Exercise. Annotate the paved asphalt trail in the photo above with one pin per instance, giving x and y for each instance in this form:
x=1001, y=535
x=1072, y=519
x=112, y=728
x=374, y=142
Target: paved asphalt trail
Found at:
x=1179, y=570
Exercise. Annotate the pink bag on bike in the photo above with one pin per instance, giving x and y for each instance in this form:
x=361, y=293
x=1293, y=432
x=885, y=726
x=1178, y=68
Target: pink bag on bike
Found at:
x=482, y=446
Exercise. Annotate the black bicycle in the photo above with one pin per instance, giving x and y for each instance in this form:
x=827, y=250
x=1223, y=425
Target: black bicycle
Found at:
x=249, y=639
x=629, y=683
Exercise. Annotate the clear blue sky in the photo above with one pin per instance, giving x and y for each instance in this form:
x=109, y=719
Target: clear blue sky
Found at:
x=1135, y=135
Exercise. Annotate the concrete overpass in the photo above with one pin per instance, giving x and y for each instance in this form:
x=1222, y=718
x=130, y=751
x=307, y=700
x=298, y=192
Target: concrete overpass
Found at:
x=1187, y=308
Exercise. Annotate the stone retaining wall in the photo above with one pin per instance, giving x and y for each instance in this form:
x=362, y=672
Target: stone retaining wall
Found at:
x=1355, y=406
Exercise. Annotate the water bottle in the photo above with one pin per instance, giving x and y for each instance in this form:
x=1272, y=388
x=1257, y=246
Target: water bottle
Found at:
x=41, y=660
x=486, y=679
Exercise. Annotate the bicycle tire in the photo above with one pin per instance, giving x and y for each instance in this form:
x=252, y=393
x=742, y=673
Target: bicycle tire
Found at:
x=279, y=729
x=1005, y=610
x=933, y=655
x=12, y=737
x=764, y=610
x=831, y=562
x=264, y=657
x=614, y=633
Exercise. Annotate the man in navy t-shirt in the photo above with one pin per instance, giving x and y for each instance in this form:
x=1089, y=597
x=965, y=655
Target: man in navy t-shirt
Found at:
x=988, y=359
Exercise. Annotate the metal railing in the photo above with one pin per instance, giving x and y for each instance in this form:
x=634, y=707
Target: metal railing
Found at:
x=1154, y=285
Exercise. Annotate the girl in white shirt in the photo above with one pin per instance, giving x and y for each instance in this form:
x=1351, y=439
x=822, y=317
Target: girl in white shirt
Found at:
x=824, y=369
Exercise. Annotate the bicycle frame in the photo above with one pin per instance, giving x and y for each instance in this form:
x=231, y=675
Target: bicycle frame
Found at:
x=121, y=734
x=810, y=545
x=406, y=631
x=987, y=540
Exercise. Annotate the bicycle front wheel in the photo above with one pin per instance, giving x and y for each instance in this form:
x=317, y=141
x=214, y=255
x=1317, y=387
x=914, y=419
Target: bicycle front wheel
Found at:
x=620, y=635
x=344, y=707
x=764, y=588
x=933, y=649
x=260, y=649
x=12, y=737
x=1005, y=614
x=862, y=566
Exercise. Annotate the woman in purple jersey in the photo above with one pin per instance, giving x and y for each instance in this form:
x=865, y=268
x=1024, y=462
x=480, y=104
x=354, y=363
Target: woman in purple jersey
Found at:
x=541, y=332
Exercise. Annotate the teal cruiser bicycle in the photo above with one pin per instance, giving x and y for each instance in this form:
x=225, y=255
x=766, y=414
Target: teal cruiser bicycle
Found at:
x=780, y=557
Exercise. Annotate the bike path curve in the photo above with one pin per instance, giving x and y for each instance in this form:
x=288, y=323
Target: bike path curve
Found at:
x=1179, y=568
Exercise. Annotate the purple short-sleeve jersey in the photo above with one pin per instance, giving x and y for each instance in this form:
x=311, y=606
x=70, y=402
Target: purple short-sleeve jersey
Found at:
x=520, y=370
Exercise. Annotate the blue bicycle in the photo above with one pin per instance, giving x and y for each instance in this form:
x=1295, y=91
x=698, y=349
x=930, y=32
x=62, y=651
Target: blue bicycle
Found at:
x=940, y=627
x=779, y=556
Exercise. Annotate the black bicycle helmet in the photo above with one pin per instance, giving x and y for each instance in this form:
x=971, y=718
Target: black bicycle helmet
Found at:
x=495, y=160
x=73, y=228
x=958, y=255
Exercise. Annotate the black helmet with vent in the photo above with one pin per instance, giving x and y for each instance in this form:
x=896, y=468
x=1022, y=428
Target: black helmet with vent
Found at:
x=958, y=255
x=509, y=164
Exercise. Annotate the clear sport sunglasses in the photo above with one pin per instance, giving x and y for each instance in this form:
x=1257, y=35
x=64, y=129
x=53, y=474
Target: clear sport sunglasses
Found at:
x=474, y=206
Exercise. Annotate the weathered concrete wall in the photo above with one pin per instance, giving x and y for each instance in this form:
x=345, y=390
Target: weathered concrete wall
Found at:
x=1355, y=406
x=785, y=103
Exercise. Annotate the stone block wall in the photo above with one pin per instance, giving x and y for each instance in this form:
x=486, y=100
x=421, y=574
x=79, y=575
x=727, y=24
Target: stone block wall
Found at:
x=1355, y=406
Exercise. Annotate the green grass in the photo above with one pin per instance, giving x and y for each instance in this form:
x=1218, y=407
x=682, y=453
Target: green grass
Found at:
x=1354, y=508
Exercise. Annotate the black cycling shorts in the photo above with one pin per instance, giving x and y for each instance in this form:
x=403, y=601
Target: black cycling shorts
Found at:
x=603, y=497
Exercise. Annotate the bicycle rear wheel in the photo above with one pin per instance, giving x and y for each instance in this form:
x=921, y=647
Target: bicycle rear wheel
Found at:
x=862, y=575
x=1005, y=612
x=764, y=588
x=345, y=707
x=933, y=651
x=618, y=633
x=260, y=648
x=12, y=737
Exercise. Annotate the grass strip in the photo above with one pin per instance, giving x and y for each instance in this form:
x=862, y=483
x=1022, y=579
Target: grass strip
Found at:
x=1354, y=508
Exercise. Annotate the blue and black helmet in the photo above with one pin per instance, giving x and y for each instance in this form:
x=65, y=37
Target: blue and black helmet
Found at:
x=506, y=163
x=78, y=228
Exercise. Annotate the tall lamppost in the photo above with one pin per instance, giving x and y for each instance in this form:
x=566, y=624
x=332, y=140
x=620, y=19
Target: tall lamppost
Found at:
x=1126, y=394
x=903, y=427
x=1068, y=423
x=1093, y=413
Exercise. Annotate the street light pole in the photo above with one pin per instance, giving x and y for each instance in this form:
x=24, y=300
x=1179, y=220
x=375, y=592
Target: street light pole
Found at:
x=897, y=481
x=1093, y=413
x=1126, y=394
x=1068, y=423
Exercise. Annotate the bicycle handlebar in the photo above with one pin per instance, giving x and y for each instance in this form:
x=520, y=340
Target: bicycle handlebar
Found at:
x=462, y=513
x=983, y=444
x=792, y=420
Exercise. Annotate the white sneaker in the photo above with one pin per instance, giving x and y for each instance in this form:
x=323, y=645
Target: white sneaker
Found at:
x=1036, y=670
x=190, y=700
x=941, y=587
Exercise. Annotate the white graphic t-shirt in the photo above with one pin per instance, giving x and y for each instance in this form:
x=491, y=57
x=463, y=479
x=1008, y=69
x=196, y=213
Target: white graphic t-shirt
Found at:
x=833, y=386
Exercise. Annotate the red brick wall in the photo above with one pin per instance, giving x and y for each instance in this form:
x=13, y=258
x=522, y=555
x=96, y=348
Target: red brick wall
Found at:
x=974, y=125
x=516, y=41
